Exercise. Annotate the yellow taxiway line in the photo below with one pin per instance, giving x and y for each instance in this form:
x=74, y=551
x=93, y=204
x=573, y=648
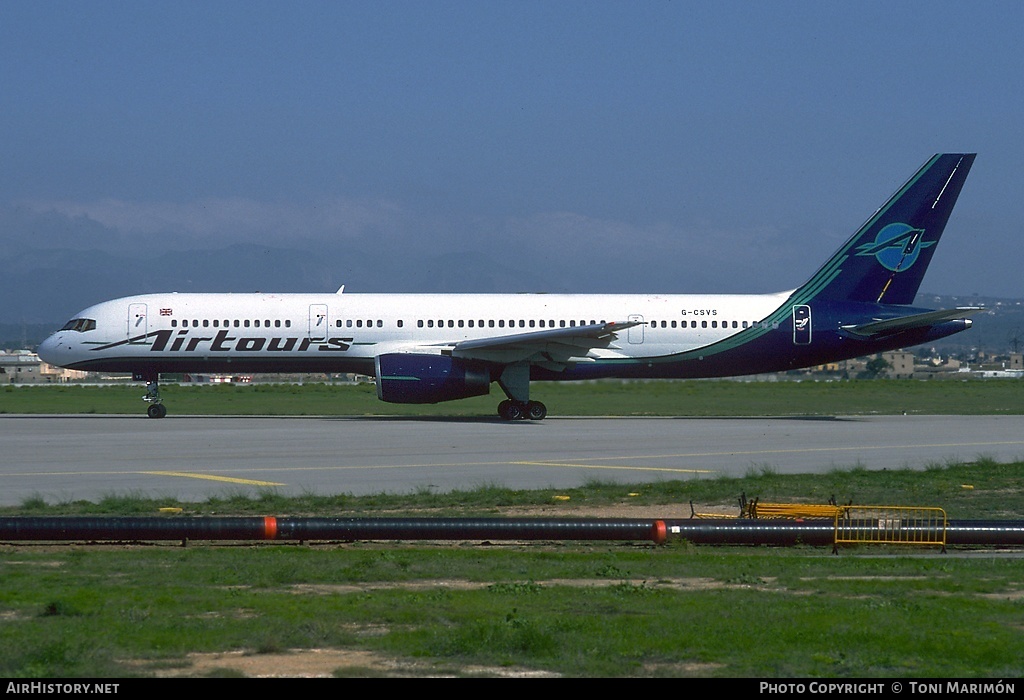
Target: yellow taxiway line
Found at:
x=211, y=477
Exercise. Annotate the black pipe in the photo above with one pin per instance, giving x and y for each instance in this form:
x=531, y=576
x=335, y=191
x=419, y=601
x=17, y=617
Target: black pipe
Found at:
x=467, y=528
x=259, y=528
x=77, y=527
x=1005, y=533
x=751, y=531
x=697, y=530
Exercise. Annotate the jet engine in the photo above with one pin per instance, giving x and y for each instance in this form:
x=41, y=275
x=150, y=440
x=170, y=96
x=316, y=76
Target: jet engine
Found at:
x=412, y=378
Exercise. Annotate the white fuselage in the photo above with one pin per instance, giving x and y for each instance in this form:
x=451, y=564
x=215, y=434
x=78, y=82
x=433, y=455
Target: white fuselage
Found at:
x=344, y=332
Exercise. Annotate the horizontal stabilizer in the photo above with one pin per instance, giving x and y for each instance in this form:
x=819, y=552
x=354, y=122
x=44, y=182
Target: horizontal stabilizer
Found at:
x=905, y=323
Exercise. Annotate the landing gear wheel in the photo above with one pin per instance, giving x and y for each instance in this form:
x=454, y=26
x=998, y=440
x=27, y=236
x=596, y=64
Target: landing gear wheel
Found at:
x=511, y=410
x=152, y=397
x=535, y=410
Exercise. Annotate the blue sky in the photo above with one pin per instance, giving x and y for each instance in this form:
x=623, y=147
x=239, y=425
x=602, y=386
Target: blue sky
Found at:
x=592, y=146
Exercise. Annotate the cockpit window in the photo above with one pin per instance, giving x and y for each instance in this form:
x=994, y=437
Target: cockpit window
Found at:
x=80, y=324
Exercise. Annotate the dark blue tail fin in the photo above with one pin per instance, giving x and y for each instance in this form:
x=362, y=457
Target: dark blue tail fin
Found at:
x=885, y=261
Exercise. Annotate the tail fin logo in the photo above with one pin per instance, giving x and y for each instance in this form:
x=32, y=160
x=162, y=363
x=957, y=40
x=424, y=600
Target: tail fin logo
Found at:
x=896, y=246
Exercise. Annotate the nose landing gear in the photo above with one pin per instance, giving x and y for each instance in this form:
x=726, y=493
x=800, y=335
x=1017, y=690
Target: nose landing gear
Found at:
x=156, y=408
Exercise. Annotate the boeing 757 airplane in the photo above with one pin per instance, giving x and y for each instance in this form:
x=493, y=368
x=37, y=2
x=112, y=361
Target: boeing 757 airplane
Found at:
x=427, y=348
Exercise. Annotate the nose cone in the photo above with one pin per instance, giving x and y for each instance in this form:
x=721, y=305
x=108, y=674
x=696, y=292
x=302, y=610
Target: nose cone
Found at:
x=54, y=350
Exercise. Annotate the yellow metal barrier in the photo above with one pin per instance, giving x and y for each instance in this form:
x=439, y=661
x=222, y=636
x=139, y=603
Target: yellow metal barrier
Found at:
x=891, y=525
x=793, y=510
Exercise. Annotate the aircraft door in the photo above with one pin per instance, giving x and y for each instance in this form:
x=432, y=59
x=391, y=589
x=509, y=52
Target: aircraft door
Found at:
x=801, y=324
x=318, y=321
x=635, y=334
x=138, y=323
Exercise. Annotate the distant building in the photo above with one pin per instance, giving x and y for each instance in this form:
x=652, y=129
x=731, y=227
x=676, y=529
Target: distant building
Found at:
x=25, y=367
x=901, y=364
x=19, y=367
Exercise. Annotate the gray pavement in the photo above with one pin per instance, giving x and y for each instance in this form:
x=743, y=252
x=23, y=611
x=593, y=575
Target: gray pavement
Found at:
x=63, y=458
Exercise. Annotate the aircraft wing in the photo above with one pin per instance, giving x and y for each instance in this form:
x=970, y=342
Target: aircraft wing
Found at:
x=553, y=348
x=906, y=323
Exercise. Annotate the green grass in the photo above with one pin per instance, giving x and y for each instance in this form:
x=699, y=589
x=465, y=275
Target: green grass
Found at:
x=583, y=610
x=577, y=609
x=623, y=398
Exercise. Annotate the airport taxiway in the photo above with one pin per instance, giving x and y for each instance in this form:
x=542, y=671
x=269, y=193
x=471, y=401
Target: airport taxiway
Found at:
x=65, y=458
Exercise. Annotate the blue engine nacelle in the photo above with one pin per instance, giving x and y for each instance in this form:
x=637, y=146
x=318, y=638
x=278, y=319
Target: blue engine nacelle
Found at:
x=407, y=378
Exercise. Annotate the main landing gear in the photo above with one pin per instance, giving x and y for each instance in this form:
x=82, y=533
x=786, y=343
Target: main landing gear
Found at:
x=515, y=382
x=517, y=410
x=156, y=408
